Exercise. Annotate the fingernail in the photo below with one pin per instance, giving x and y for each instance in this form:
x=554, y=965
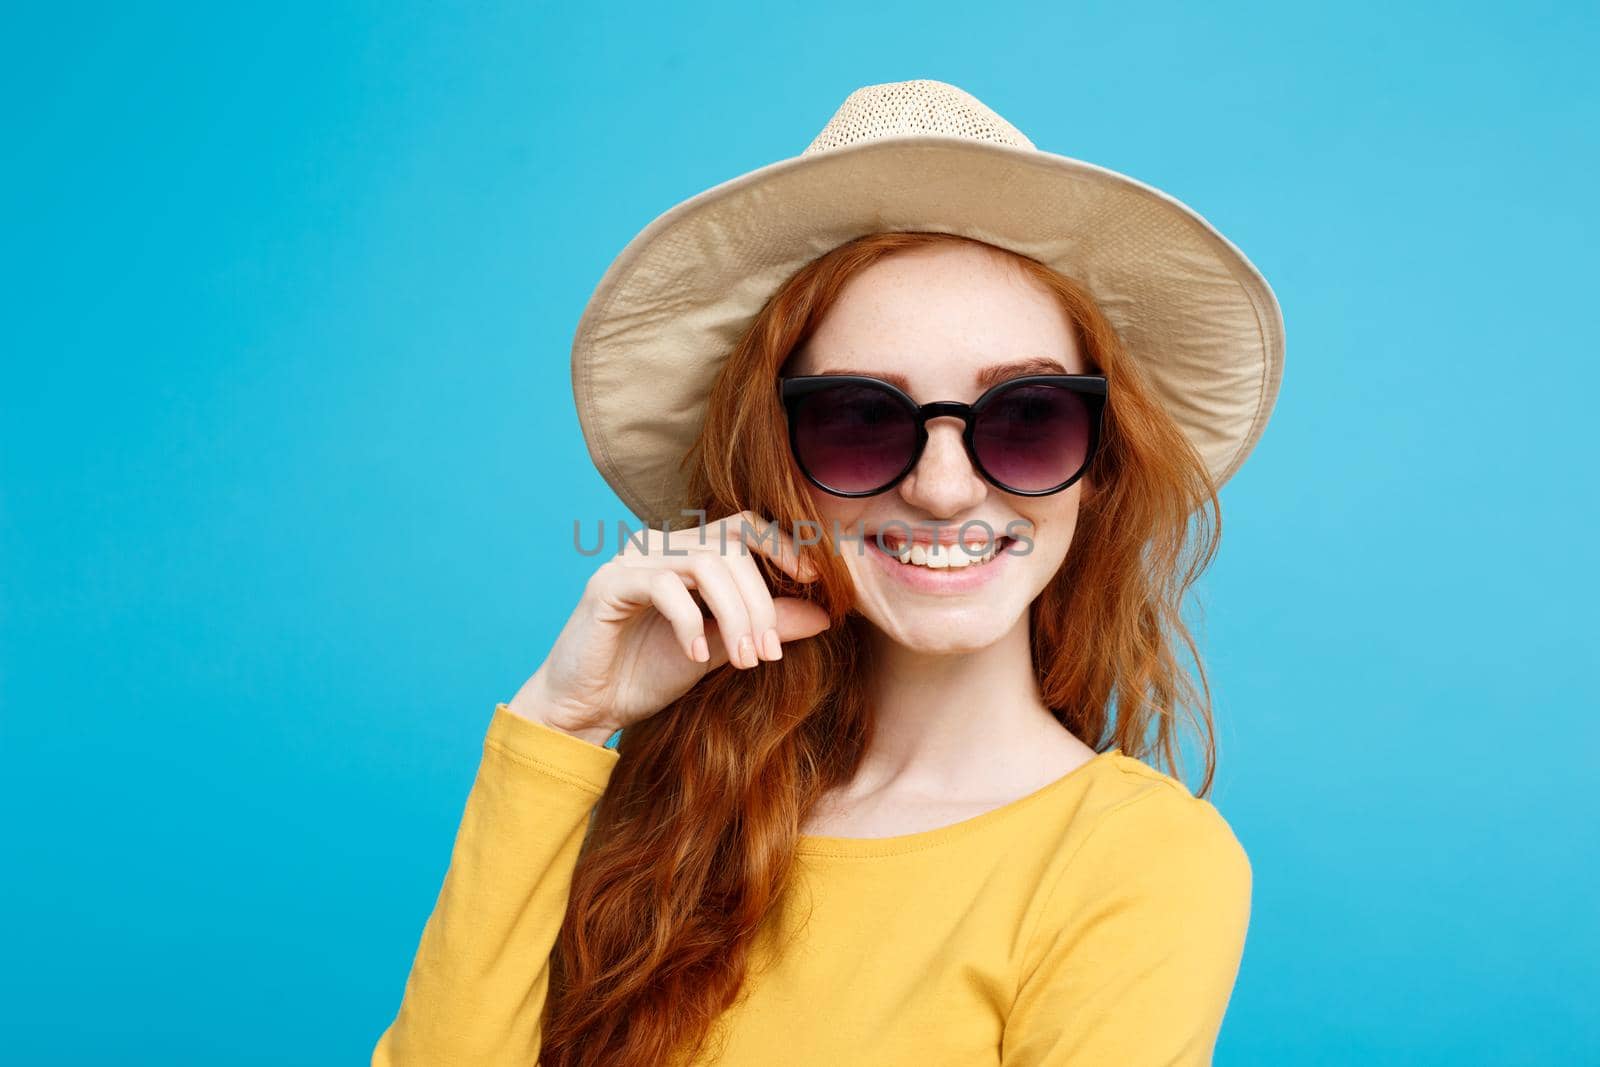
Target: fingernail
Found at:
x=773, y=646
x=747, y=651
x=702, y=651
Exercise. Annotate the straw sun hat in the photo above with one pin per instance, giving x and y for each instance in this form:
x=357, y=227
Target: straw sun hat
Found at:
x=915, y=155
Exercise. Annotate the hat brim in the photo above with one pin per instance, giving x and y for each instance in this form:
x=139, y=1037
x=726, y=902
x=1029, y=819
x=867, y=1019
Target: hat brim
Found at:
x=1190, y=307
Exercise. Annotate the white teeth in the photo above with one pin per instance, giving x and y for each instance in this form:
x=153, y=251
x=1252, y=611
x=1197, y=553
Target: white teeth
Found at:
x=942, y=557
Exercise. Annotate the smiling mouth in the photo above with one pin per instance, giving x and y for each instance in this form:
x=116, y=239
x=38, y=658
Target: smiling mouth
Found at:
x=946, y=557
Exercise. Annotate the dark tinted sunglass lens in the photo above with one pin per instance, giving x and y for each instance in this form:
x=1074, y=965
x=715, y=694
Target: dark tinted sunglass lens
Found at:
x=1034, y=437
x=853, y=438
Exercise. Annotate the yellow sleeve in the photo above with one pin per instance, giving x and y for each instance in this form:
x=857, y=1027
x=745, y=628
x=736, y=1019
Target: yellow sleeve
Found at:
x=1135, y=956
x=476, y=991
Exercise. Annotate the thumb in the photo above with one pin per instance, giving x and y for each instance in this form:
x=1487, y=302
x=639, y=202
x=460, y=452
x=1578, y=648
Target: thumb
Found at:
x=799, y=618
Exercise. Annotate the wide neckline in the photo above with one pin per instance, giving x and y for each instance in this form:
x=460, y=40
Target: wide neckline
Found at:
x=825, y=845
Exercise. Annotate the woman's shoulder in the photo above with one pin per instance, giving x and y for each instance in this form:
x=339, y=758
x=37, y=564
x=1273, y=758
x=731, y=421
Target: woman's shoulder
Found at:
x=1149, y=899
x=1137, y=813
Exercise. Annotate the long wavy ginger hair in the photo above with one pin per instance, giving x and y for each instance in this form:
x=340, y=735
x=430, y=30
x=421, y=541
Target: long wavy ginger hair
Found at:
x=690, y=847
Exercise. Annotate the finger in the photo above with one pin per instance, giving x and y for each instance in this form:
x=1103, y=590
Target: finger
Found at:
x=799, y=619
x=768, y=538
x=796, y=620
x=708, y=573
x=714, y=581
x=671, y=598
x=621, y=590
x=752, y=586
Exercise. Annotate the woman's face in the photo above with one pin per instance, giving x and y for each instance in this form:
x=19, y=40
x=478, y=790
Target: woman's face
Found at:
x=944, y=322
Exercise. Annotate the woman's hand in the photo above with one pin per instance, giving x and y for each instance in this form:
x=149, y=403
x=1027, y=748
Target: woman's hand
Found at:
x=638, y=640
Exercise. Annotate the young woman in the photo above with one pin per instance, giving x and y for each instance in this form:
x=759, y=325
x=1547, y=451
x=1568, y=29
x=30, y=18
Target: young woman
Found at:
x=880, y=794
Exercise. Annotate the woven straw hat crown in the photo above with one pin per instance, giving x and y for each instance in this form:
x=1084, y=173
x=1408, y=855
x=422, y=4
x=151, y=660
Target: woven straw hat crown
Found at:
x=919, y=155
x=899, y=109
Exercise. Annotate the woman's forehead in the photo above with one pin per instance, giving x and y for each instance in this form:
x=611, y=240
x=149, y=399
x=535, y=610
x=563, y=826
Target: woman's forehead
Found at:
x=924, y=319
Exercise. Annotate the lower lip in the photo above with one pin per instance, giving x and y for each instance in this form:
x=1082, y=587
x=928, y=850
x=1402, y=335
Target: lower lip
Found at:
x=943, y=579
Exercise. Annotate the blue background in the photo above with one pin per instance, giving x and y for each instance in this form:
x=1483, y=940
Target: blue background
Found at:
x=290, y=461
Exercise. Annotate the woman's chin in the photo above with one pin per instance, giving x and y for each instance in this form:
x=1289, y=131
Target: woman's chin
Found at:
x=945, y=632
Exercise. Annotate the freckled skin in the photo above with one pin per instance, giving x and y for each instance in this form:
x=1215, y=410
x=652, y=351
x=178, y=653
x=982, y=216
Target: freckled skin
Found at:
x=937, y=316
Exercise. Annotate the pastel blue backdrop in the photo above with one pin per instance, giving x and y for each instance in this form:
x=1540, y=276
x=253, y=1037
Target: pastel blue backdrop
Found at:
x=290, y=461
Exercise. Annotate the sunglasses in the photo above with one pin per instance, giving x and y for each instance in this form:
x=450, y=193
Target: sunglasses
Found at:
x=854, y=435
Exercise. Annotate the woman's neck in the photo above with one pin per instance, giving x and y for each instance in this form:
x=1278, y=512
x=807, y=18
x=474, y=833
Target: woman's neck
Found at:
x=948, y=721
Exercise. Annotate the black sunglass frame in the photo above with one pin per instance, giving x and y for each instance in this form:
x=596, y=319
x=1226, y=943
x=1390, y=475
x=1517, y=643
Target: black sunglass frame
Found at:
x=1092, y=387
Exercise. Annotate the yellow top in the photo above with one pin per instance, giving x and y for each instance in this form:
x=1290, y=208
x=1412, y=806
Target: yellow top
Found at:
x=1097, y=922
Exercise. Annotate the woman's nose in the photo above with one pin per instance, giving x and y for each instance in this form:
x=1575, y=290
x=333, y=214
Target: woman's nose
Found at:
x=943, y=483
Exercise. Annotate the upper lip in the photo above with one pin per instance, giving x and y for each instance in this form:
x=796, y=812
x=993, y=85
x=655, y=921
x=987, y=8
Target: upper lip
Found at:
x=896, y=536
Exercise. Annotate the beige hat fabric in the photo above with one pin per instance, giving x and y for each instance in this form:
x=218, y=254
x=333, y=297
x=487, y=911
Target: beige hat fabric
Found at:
x=924, y=156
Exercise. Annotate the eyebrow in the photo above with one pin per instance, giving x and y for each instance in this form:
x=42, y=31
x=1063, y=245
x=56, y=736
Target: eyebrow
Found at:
x=986, y=378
